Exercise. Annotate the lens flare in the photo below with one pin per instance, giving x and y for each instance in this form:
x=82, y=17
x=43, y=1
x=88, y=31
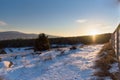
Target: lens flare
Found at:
x=94, y=32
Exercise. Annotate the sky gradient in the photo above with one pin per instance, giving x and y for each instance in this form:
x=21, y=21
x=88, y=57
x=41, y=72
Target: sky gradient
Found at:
x=59, y=17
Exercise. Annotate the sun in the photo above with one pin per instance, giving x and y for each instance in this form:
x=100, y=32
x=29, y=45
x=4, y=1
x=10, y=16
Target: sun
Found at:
x=94, y=32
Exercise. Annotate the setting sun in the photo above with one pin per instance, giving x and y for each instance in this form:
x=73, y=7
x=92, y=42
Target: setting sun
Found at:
x=94, y=32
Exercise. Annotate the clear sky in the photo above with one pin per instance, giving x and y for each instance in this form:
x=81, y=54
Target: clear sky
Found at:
x=59, y=17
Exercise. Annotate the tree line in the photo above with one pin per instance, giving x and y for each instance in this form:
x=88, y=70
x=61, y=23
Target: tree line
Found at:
x=99, y=39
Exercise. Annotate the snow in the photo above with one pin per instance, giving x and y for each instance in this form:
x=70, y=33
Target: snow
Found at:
x=65, y=45
x=101, y=78
x=17, y=50
x=56, y=64
x=114, y=68
x=6, y=64
x=12, y=52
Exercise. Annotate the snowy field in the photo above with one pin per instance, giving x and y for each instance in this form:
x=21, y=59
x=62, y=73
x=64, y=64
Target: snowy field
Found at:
x=56, y=64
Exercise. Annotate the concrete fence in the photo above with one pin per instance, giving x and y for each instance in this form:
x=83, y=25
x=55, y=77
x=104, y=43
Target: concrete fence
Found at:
x=115, y=40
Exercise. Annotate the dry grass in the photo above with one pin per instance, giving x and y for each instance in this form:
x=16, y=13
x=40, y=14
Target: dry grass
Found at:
x=73, y=48
x=106, y=57
x=1, y=78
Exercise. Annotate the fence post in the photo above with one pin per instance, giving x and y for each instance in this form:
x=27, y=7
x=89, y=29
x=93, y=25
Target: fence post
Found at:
x=117, y=43
x=115, y=38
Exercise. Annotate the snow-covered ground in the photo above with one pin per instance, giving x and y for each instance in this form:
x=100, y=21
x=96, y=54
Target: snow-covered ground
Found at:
x=56, y=64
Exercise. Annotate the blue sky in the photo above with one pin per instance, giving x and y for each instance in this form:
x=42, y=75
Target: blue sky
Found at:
x=59, y=17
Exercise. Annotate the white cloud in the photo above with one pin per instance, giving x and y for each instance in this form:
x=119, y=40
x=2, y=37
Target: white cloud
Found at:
x=81, y=20
x=2, y=23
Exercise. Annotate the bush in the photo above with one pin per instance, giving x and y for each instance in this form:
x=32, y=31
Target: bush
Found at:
x=73, y=48
x=42, y=43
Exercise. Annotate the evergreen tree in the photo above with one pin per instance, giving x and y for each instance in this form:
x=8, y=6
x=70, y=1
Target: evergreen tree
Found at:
x=42, y=43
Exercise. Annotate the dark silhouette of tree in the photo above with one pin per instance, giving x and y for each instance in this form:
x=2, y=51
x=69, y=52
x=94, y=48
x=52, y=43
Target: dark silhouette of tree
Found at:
x=42, y=43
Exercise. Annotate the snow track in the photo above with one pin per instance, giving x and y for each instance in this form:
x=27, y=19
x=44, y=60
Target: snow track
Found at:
x=72, y=65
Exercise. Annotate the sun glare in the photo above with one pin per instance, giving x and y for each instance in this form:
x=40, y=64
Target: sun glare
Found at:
x=94, y=32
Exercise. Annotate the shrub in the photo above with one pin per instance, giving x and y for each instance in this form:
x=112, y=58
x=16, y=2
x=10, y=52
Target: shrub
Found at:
x=42, y=43
x=73, y=48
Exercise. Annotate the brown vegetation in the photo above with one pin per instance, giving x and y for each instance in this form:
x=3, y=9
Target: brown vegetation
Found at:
x=73, y=48
x=1, y=78
x=106, y=57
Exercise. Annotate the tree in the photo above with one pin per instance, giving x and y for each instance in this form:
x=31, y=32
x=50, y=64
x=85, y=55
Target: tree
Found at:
x=42, y=43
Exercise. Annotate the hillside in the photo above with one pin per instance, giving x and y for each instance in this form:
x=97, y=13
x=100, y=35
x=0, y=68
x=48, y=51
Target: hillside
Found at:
x=8, y=35
x=98, y=39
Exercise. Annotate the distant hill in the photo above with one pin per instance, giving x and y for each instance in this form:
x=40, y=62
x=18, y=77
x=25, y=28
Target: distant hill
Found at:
x=8, y=35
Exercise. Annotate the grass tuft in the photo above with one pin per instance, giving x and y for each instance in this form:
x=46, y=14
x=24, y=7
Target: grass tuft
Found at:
x=106, y=57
